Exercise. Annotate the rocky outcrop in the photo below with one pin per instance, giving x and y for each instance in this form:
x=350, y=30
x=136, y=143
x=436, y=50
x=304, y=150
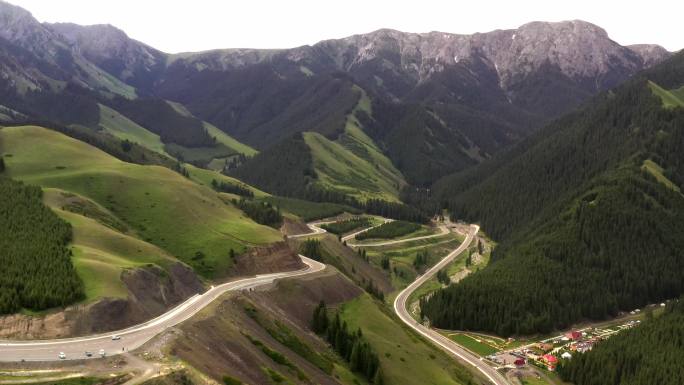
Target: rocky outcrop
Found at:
x=579, y=49
x=268, y=259
x=651, y=54
x=152, y=291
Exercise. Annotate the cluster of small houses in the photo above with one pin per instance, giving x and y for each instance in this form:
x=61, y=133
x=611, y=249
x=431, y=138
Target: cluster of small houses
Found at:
x=547, y=353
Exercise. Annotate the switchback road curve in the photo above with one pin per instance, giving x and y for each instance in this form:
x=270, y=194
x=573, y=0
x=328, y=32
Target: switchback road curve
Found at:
x=135, y=336
x=443, y=342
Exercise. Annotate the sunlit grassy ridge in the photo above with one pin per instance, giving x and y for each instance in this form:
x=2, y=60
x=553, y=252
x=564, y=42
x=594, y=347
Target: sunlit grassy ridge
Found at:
x=672, y=98
x=188, y=220
x=353, y=163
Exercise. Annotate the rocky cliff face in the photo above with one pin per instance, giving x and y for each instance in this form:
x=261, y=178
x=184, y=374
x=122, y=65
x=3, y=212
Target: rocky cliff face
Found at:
x=577, y=48
x=651, y=54
x=395, y=62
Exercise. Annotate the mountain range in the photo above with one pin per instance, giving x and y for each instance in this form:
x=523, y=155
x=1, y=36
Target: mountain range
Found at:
x=459, y=98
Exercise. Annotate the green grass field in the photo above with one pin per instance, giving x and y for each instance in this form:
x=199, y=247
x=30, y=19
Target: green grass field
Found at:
x=309, y=211
x=402, y=256
x=204, y=177
x=101, y=253
x=353, y=163
x=221, y=137
x=472, y=344
x=228, y=140
x=163, y=207
x=405, y=359
x=654, y=169
x=671, y=99
x=123, y=128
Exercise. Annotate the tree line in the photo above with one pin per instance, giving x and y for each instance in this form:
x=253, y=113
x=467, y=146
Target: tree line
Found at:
x=347, y=225
x=585, y=230
x=350, y=345
x=232, y=188
x=647, y=354
x=311, y=248
x=261, y=212
x=37, y=272
x=389, y=230
x=421, y=260
x=287, y=169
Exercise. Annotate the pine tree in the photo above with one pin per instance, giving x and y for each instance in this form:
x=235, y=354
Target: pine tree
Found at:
x=2, y=164
x=377, y=378
x=355, y=357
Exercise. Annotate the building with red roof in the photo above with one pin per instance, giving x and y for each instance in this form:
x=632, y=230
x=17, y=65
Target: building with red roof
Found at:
x=550, y=361
x=574, y=335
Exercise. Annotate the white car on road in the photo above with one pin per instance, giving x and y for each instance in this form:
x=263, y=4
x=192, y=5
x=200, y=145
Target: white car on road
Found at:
x=62, y=356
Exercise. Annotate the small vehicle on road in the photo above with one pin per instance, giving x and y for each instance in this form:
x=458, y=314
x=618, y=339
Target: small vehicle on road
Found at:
x=62, y=356
x=88, y=354
x=102, y=353
x=116, y=338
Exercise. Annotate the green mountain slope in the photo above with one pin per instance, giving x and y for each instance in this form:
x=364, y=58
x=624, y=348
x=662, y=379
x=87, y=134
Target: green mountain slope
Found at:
x=671, y=99
x=125, y=129
x=648, y=354
x=366, y=162
x=37, y=271
x=188, y=220
x=102, y=248
x=589, y=217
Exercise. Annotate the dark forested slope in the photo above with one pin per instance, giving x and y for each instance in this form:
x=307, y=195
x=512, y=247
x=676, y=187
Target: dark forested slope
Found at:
x=590, y=217
x=649, y=354
x=37, y=272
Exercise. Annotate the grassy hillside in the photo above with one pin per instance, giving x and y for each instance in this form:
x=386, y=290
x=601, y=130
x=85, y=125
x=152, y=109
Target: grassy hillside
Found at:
x=101, y=252
x=671, y=99
x=164, y=208
x=341, y=170
x=353, y=163
x=228, y=141
x=309, y=211
x=588, y=215
x=405, y=359
x=123, y=128
x=224, y=147
x=204, y=177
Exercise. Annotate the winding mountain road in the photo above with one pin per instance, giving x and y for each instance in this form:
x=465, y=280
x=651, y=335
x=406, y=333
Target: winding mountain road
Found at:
x=443, y=230
x=400, y=301
x=135, y=336
x=443, y=342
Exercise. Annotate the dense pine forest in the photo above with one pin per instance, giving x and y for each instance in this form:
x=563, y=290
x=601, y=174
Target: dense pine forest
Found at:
x=590, y=217
x=346, y=226
x=37, y=272
x=287, y=170
x=232, y=188
x=649, y=354
x=261, y=212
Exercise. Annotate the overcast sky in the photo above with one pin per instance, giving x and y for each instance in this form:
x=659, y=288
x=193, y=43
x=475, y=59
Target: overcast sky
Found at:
x=195, y=25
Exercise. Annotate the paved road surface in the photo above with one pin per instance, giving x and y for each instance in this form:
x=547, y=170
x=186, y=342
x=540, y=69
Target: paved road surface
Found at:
x=443, y=230
x=315, y=230
x=134, y=337
x=353, y=235
x=443, y=342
